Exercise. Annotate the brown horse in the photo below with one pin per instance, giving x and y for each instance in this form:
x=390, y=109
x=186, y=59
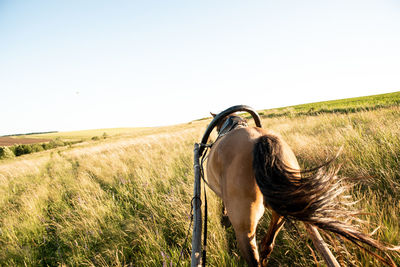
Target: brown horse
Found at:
x=251, y=169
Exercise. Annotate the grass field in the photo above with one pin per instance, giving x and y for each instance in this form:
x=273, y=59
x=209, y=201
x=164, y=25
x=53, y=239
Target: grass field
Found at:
x=84, y=134
x=87, y=134
x=9, y=141
x=346, y=106
x=125, y=200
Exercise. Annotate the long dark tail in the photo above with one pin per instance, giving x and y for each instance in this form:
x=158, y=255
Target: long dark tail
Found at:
x=317, y=198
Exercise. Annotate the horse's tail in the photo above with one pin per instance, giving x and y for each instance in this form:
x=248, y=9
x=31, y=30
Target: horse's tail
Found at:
x=316, y=198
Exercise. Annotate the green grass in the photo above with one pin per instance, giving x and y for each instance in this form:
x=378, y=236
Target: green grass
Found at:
x=125, y=200
x=349, y=105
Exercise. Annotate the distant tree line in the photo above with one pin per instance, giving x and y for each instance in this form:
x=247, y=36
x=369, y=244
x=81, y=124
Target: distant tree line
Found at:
x=18, y=150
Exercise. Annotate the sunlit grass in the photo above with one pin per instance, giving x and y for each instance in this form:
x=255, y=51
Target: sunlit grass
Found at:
x=125, y=200
x=113, y=132
x=345, y=106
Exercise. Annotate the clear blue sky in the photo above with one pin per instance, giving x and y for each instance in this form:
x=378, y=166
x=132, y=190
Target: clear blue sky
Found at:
x=71, y=65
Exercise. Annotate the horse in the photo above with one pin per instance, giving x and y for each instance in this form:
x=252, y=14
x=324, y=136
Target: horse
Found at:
x=252, y=169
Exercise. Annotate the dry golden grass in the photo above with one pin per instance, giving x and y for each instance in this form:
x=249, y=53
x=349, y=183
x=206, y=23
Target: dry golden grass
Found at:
x=125, y=200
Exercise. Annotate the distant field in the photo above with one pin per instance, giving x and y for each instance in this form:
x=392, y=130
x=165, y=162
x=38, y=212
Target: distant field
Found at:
x=349, y=105
x=73, y=135
x=77, y=135
x=9, y=141
x=86, y=134
x=114, y=132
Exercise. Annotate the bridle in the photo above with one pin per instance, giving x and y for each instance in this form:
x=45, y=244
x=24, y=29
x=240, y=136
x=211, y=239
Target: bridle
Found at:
x=230, y=124
x=217, y=119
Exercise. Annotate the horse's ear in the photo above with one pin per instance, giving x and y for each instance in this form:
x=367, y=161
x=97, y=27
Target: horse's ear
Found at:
x=213, y=114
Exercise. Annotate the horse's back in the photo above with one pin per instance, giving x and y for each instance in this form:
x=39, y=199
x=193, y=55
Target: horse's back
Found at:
x=230, y=161
x=236, y=149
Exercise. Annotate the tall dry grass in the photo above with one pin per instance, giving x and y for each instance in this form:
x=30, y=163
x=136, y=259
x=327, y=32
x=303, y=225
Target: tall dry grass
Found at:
x=125, y=201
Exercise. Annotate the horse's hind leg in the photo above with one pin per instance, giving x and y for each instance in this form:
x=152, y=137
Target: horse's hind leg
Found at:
x=224, y=217
x=248, y=247
x=244, y=216
x=267, y=244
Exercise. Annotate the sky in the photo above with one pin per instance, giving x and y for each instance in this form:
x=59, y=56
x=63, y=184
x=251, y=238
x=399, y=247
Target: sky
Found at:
x=75, y=65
